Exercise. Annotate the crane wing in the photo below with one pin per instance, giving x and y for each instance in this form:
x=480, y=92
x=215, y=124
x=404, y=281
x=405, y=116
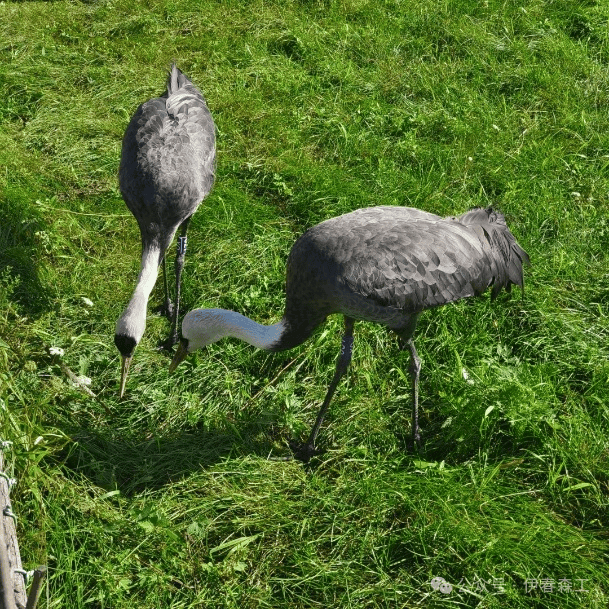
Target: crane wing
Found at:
x=414, y=263
x=418, y=264
x=192, y=125
x=168, y=157
x=387, y=264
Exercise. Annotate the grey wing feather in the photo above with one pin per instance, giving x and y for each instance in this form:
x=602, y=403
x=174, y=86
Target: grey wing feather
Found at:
x=419, y=265
x=411, y=260
x=387, y=264
x=168, y=157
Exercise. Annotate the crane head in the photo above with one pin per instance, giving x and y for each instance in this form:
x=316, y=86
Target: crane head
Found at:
x=200, y=327
x=126, y=346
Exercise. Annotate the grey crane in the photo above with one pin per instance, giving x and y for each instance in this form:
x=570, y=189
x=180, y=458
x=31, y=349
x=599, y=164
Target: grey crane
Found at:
x=167, y=168
x=380, y=264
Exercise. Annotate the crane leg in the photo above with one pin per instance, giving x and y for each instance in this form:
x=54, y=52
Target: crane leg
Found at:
x=305, y=451
x=167, y=308
x=172, y=339
x=414, y=369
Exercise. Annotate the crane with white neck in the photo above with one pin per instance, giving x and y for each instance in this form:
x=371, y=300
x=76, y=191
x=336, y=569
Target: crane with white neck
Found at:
x=167, y=168
x=380, y=264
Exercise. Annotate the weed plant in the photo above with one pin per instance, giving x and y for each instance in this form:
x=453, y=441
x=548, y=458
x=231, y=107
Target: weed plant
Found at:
x=167, y=499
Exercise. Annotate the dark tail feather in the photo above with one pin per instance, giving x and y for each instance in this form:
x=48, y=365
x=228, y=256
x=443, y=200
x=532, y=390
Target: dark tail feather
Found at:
x=507, y=255
x=175, y=80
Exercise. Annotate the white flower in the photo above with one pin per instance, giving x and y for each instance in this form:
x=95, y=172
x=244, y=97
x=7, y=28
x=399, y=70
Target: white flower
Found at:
x=88, y=302
x=56, y=351
x=83, y=380
x=466, y=377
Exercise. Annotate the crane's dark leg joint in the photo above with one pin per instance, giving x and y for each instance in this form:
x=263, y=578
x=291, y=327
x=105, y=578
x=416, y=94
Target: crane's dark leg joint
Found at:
x=346, y=349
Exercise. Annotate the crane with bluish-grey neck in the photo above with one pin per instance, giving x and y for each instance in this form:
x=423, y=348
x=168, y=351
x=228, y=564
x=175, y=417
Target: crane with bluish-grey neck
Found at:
x=380, y=264
x=167, y=168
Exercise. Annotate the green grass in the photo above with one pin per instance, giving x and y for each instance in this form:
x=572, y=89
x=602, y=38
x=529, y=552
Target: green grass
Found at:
x=167, y=499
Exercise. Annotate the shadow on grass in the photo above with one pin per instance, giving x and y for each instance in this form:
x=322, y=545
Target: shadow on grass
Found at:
x=133, y=466
x=454, y=439
x=20, y=232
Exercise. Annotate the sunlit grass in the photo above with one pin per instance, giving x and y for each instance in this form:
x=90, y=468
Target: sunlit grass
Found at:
x=167, y=499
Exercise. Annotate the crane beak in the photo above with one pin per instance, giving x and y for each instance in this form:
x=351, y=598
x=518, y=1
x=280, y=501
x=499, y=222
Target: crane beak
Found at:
x=125, y=363
x=180, y=355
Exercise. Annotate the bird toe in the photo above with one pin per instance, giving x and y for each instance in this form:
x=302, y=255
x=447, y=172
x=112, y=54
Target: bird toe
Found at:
x=168, y=343
x=304, y=452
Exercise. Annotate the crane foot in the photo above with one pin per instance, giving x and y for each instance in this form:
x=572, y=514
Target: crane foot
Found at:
x=168, y=343
x=167, y=309
x=415, y=443
x=304, y=452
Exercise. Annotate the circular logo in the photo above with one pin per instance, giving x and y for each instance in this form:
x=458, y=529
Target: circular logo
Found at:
x=439, y=583
x=446, y=588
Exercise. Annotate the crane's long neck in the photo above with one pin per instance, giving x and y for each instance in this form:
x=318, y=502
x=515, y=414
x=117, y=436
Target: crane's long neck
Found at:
x=132, y=322
x=205, y=326
x=258, y=335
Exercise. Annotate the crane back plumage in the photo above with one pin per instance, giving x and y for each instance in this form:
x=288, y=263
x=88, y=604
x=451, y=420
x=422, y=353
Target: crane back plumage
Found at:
x=168, y=159
x=388, y=264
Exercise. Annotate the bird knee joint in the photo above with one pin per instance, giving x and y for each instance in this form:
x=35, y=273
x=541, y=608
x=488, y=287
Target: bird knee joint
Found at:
x=345, y=353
